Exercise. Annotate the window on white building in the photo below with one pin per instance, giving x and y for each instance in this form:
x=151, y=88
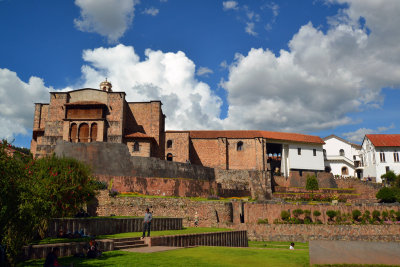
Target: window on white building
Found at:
x=345, y=171
x=341, y=152
x=314, y=152
x=387, y=169
x=298, y=151
x=382, y=156
x=396, y=156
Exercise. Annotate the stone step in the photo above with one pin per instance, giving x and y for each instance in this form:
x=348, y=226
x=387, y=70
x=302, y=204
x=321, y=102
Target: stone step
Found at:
x=126, y=239
x=135, y=242
x=129, y=246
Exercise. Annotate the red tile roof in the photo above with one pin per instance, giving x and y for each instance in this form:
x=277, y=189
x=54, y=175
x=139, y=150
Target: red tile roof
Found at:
x=294, y=137
x=381, y=140
x=138, y=135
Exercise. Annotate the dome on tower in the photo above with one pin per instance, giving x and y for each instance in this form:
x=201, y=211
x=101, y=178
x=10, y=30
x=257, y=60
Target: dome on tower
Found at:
x=106, y=86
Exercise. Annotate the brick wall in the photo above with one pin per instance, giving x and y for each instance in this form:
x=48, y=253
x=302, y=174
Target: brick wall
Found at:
x=202, y=152
x=180, y=146
x=144, y=148
x=244, y=159
x=306, y=232
x=149, y=119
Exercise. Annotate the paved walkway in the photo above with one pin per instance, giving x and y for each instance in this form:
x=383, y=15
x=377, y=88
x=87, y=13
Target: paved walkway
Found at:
x=150, y=249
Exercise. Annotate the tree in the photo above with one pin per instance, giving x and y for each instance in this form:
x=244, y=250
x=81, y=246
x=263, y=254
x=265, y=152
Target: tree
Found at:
x=389, y=177
x=312, y=184
x=331, y=214
x=34, y=191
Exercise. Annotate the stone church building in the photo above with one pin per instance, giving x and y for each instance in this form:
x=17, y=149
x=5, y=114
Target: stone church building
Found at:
x=102, y=115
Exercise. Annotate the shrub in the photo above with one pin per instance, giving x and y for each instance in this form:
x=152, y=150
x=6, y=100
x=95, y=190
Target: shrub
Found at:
x=285, y=215
x=397, y=214
x=100, y=185
x=356, y=214
x=388, y=194
x=312, y=183
x=331, y=214
x=316, y=213
x=375, y=215
x=262, y=221
x=297, y=213
x=385, y=215
x=113, y=193
x=389, y=177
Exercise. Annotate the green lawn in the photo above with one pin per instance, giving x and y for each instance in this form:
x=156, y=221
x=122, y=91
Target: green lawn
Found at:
x=272, y=244
x=189, y=230
x=199, y=256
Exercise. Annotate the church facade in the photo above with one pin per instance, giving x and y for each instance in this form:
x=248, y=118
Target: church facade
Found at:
x=101, y=115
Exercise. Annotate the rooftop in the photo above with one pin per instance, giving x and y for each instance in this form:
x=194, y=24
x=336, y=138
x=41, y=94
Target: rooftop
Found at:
x=384, y=140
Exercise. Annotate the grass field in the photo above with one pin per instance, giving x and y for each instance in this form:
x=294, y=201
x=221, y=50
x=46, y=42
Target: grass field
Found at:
x=199, y=256
x=189, y=230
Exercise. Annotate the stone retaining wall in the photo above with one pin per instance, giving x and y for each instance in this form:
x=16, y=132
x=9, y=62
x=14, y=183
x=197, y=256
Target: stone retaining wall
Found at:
x=109, y=226
x=161, y=186
x=210, y=213
x=306, y=232
x=225, y=239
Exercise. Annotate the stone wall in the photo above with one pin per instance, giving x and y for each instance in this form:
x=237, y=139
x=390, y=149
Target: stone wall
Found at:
x=306, y=232
x=226, y=239
x=256, y=184
x=210, y=213
x=214, y=213
x=115, y=159
x=161, y=186
x=252, y=212
x=109, y=226
x=367, y=190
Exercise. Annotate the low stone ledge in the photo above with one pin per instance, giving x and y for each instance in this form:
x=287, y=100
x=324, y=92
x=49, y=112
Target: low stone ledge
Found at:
x=225, y=239
x=66, y=249
x=109, y=226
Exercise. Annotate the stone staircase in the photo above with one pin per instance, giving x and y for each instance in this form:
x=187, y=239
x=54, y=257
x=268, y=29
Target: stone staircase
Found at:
x=125, y=243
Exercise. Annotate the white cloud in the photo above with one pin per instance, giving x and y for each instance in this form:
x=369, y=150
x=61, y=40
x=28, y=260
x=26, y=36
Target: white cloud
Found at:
x=227, y=5
x=203, y=71
x=169, y=77
x=250, y=28
x=17, y=100
x=224, y=64
x=358, y=135
x=109, y=18
x=322, y=77
x=151, y=11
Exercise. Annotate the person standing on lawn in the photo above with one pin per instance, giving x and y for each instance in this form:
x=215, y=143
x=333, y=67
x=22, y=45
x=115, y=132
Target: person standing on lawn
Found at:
x=147, y=223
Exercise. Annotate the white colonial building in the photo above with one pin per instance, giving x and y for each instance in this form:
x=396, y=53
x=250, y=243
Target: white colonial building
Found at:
x=342, y=157
x=380, y=153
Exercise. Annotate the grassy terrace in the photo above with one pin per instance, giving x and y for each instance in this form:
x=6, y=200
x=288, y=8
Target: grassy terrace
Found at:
x=134, y=194
x=189, y=230
x=276, y=254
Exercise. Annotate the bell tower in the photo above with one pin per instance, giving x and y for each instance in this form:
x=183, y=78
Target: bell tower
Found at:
x=106, y=86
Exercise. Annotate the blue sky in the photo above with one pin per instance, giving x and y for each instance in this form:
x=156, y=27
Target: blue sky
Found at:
x=319, y=67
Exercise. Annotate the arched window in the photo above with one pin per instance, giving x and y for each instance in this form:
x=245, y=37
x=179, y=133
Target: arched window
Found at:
x=83, y=133
x=136, y=146
x=93, y=133
x=341, y=152
x=73, y=133
x=169, y=157
x=239, y=146
x=345, y=171
x=169, y=143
